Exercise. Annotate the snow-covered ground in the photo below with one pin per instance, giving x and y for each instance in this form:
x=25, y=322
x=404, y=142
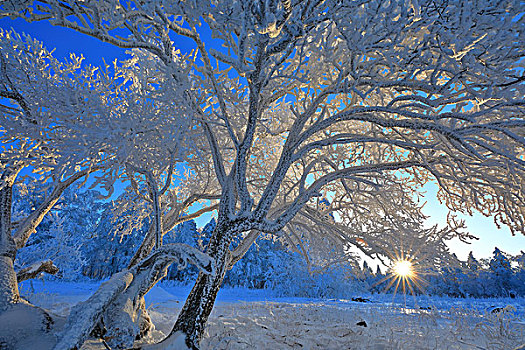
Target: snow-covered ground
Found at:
x=255, y=319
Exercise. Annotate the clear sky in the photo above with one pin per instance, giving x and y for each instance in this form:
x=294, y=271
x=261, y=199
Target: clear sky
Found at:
x=66, y=41
x=483, y=227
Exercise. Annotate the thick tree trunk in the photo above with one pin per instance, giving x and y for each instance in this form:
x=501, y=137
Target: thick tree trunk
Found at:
x=8, y=284
x=199, y=304
x=9, y=294
x=139, y=302
x=16, y=330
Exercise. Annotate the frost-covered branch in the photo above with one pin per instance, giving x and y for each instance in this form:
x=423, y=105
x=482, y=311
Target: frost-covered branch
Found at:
x=85, y=315
x=29, y=224
x=357, y=104
x=36, y=269
x=243, y=247
x=313, y=189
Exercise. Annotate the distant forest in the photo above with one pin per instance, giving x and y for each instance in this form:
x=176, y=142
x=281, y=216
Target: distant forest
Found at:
x=82, y=237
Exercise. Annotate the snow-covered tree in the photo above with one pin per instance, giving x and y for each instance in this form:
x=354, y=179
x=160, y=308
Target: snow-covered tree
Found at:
x=473, y=264
x=62, y=121
x=520, y=259
x=107, y=251
x=519, y=278
x=46, y=110
x=358, y=102
x=474, y=285
x=376, y=283
x=488, y=278
x=500, y=268
x=65, y=233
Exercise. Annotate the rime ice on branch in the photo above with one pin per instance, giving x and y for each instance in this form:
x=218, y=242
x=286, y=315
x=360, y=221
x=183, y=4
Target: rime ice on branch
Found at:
x=356, y=102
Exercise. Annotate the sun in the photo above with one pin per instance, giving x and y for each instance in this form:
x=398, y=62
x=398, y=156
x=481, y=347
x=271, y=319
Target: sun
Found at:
x=403, y=274
x=403, y=269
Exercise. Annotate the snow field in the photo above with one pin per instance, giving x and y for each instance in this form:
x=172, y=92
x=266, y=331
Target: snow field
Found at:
x=254, y=319
x=281, y=325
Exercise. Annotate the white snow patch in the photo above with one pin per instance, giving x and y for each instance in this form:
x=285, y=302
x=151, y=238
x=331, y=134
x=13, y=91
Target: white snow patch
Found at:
x=265, y=322
x=175, y=342
x=25, y=327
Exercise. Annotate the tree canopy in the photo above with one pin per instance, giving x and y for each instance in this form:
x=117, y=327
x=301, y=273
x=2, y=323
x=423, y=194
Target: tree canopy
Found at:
x=355, y=104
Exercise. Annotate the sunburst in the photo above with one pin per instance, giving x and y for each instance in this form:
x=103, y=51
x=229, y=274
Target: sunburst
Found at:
x=403, y=268
x=403, y=273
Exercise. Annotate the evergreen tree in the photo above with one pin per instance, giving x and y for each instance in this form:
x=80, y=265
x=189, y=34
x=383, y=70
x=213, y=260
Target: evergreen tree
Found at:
x=473, y=264
x=521, y=260
x=501, y=269
x=473, y=287
x=107, y=251
x=65, y=233
x=518, y=284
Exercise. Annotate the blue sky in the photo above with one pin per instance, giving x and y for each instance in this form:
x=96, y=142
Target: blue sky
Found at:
x=482, y=227
x=66, y=41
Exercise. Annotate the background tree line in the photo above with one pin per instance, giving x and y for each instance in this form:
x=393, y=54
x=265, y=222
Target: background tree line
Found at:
x=84, y=245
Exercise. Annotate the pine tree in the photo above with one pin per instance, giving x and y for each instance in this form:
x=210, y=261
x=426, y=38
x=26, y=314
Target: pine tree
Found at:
x=473, y=286
x=473, y=264
x=186, y=233
x=501, y=270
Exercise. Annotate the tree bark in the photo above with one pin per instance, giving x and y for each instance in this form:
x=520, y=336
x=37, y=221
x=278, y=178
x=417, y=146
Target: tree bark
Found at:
x=9, y=293
x=145, y=247
x=139, y=302
x=10, y=301
x=114, y=304
x=199, y=304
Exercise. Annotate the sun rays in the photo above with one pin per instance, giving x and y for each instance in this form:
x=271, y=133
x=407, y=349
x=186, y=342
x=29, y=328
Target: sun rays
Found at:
x=403, y=273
